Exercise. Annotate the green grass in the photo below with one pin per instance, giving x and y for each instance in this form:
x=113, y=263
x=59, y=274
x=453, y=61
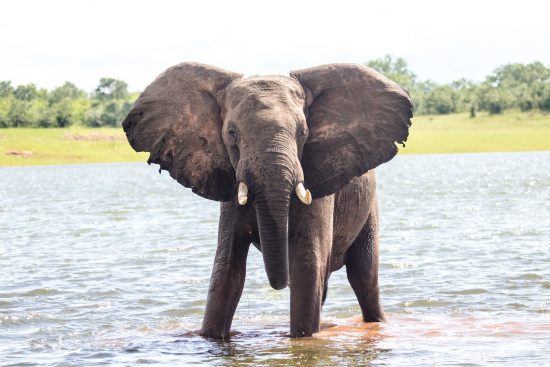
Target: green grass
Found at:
x=22, y=146
x=457, y=133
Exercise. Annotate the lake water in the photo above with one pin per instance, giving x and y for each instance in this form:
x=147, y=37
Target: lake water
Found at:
x=109, y=264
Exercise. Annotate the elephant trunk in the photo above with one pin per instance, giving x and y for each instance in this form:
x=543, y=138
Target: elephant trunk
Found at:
x=273, y=184
x=272, y=213
x=271, y=178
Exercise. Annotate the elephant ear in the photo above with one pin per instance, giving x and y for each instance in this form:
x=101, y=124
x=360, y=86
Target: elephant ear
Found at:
x=355, y=117
x=177, y=119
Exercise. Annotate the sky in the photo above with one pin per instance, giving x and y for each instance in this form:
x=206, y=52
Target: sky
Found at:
x=50, y=42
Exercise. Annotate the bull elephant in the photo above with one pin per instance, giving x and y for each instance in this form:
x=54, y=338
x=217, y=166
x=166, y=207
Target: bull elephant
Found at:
x=291, y=159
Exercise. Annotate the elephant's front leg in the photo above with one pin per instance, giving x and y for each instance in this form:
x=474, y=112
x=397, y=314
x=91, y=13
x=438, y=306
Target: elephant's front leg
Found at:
x=228, y=274
x=310, y=246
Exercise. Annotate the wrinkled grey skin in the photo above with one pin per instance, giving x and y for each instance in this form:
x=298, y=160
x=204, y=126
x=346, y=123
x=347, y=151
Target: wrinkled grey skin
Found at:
x=327, y=127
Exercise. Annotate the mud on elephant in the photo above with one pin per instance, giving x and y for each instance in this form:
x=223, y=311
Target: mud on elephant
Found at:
x=291, y=159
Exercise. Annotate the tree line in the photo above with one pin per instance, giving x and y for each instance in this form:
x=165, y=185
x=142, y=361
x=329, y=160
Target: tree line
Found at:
x=28, y=106
x=522, y=87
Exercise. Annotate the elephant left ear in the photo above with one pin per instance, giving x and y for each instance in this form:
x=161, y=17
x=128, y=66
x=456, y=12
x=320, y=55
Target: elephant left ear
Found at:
x=355, y=118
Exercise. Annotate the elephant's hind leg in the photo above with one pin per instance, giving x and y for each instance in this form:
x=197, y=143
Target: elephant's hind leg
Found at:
x=361, y=262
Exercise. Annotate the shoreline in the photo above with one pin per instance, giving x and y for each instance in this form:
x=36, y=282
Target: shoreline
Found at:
x=437, y=134
x=145, y=161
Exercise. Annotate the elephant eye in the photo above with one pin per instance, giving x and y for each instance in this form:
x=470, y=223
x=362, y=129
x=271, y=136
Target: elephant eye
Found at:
x=232, y=134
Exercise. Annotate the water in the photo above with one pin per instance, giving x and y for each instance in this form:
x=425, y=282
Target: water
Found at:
x=109, y=264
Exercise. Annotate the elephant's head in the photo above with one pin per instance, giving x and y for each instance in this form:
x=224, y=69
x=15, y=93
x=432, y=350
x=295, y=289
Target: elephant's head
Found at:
x=259, y=140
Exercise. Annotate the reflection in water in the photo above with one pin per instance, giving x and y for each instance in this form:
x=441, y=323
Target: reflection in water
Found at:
x=349, y=342
x=353, y=342
x=110, y=263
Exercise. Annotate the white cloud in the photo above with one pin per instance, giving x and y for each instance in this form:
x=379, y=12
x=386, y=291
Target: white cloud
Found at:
x=81, y=41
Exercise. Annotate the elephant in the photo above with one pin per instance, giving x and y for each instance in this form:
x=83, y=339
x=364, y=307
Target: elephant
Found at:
x=291, y=160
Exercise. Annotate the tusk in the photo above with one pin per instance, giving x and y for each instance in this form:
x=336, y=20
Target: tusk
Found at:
x=242, y=196
x=303, y=194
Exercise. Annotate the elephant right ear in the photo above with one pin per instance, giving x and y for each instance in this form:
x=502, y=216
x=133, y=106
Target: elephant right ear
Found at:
x=177, y=119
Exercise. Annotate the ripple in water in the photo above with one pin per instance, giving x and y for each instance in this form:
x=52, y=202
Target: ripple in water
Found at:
x=110, y=263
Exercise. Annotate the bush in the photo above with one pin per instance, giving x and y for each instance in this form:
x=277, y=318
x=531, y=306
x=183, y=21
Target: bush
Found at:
x=441, y=100
x=27, y=106
x=512, y=86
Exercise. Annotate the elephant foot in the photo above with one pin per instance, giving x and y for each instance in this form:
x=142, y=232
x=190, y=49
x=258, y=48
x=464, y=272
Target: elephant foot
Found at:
x=377, y=316
x=216, y=334
x=301, y=332
x=300, y=335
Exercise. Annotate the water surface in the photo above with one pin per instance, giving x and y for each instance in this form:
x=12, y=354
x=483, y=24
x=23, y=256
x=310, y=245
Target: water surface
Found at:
x=109, y=264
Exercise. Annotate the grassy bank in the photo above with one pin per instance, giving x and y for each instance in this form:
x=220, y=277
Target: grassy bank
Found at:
x=22, y=146
x=456, y=133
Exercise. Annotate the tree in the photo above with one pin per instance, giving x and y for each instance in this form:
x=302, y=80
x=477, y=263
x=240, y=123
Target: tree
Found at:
x=465, y=95
x=110, y=88
x=511, y=86
x=6, y=89
x=441, y=100
x=28, y=106
x=517, y=86
x=418, y=92
x=494, y=98
x=25, y=92
x=5, y=107
x=397, y=70
x=41, y=115
x=544, y=103
x=66, y=91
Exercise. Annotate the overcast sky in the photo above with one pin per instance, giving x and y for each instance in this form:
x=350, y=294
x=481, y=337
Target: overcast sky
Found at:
x=49, y=42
